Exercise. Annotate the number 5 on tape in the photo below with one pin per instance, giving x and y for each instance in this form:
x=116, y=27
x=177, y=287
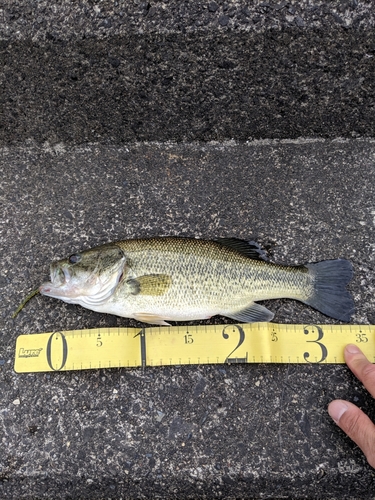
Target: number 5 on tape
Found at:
x=177, y=345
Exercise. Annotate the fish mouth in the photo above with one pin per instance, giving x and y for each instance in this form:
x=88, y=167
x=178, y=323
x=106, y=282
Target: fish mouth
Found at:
x=65, y=285
x=59, y=276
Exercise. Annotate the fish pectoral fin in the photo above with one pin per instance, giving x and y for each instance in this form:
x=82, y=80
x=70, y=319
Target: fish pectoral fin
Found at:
x=150, y=318
x=150, y=284
x=252, y=314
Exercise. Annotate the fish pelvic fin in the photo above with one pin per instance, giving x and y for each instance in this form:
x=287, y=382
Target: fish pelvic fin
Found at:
x=153, y=319
x=330, y=296
x=251, y=314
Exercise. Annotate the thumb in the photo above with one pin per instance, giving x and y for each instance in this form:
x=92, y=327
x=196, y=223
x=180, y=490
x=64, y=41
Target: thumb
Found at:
x=356, y=425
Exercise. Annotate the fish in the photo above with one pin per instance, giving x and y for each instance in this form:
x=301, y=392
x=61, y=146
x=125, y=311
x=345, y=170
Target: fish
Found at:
x=161, y=279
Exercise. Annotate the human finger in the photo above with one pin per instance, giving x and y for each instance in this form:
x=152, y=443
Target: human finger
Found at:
x=356, y=425
x=362, y=368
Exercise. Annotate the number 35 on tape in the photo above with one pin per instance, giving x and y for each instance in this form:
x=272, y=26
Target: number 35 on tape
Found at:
x=181, y=345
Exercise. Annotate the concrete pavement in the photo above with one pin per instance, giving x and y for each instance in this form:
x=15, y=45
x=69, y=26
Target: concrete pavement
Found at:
x=256, y=431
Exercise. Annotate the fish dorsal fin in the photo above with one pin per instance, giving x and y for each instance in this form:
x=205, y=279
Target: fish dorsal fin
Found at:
x=150, y=284
x=249, y=248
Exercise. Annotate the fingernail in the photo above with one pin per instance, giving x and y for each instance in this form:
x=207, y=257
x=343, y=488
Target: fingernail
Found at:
x=336, y=410
x=353, y=349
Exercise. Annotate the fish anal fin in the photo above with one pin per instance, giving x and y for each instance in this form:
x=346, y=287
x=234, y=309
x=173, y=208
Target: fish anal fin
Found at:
x=150, y=284
x=250, y=249
x=254, y=313
x=150, y=318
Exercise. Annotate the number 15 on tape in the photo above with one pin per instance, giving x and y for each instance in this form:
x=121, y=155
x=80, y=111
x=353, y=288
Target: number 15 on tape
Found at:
x=178, y=345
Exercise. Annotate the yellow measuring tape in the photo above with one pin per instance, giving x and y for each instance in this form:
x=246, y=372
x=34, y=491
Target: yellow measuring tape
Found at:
x=182, y=345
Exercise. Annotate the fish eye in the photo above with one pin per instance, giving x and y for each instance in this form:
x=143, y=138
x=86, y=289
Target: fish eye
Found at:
x=73, y=259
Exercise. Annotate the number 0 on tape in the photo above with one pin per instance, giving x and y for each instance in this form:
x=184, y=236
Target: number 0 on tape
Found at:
x=181, y=345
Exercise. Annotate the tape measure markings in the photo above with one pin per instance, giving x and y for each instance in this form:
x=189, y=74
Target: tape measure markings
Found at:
x=199, y=344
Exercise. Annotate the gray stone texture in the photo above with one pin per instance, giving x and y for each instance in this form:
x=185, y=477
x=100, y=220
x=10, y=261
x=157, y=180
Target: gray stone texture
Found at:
x=158, y=71
x=122, y=119
x=239, y=431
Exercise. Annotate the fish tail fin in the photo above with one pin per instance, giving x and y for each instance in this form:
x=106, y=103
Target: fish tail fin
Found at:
x=330, y=296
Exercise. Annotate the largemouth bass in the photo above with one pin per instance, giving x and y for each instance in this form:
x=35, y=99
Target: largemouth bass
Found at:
x=179, y=279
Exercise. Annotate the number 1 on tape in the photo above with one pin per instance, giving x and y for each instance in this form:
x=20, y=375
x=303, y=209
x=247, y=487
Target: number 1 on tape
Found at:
x=178, y=345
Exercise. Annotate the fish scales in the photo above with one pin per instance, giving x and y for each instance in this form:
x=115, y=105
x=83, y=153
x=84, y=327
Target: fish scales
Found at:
x=160, y=279
x=210, y=272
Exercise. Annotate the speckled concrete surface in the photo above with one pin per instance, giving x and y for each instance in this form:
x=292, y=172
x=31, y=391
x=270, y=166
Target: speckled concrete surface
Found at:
x=113, y=72
x=65, y=20
x=257, y=431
